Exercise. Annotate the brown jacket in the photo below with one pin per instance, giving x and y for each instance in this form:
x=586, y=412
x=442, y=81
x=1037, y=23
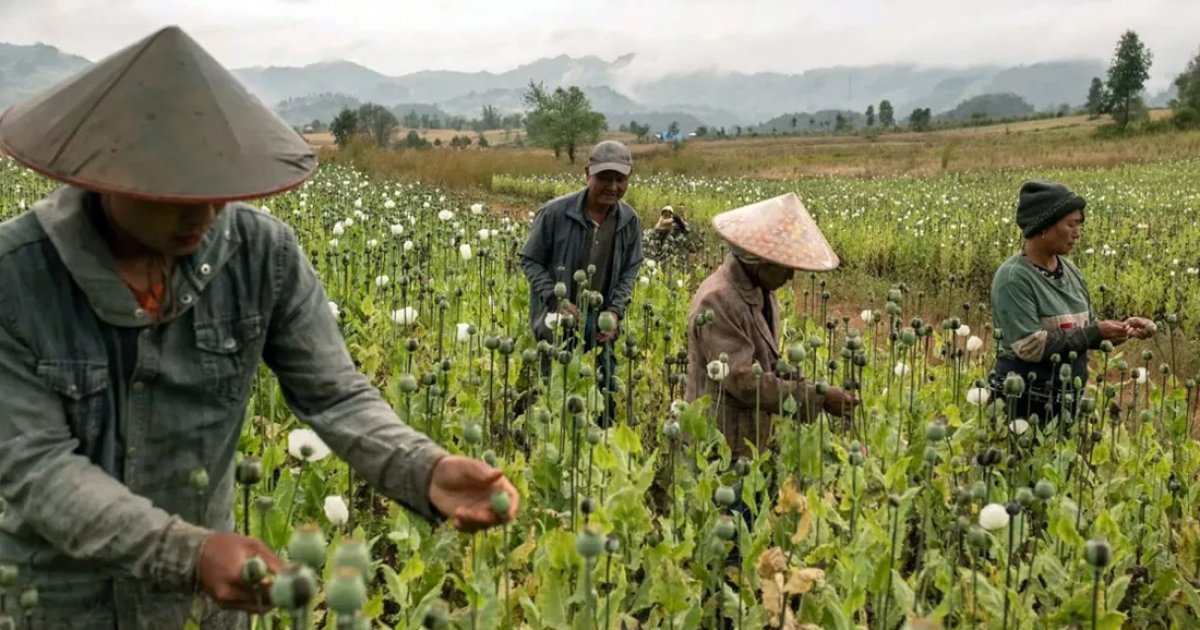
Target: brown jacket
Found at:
x=740, y=330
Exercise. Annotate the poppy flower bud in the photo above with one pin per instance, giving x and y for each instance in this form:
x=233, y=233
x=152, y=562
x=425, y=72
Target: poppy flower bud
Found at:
x=198, y=479
x=613, y=545
x=725, y=496
x=725, y=528
x=580, y=276
x=589, y=542
x=307, y=546
x=249, y=471
x=408, y=384
x=353, y=553
x=506, y=346
x=412, y=344
x=1097, y=552
x=254, y=569
x=560, y=290
x=473, y=434
x=607, y=322
x=894, y=295
x=1044, y=490
x=346, y=592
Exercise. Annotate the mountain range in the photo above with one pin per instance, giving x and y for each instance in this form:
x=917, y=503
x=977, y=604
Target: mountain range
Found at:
x=617, y=88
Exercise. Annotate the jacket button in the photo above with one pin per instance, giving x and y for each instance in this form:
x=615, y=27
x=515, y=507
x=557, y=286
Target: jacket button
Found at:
x=186, y=299
x=230, y=344
x=205, y=269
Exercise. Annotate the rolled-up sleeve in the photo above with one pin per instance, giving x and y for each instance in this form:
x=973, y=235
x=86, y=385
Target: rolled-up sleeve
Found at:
x=70, y=502
x=323, y=388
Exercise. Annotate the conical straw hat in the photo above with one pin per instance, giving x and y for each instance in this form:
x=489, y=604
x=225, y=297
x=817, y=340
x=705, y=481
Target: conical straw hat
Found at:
x=780, y=231
x=158, y=120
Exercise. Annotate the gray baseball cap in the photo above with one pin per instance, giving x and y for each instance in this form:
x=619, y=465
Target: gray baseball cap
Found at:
x=610, y=155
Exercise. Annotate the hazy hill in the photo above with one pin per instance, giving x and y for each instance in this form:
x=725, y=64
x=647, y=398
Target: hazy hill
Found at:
x=25, y=70
x=993, y=106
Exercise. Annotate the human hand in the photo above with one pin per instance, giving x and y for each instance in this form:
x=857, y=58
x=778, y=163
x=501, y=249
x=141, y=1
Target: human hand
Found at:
x=461, y=488
x=1114, y=331
x=220, y=572
x=840, y=403
x=571, y=310
x=1140, y=327
x=605, y=337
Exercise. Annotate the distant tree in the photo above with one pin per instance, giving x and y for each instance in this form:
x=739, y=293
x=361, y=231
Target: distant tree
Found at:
x=870, y=115
x=482, y=141
x=512, y=121
x=378, y=122
x=561, y=120
x=413, y=140
x=490, y=117
x=435, y=122
x=1097, y=98
x=920, y=119
x=701, y=131
x=812, y=122
x=794, y=121
x=411, y=119
x=842, y=123
x=437, y=142
x=624, y=128
x=1187, y=100
x=887, y=116
x=344, y=126
x=316, y=126
x=425, y=121
x=737, y=130
x=1127, y=76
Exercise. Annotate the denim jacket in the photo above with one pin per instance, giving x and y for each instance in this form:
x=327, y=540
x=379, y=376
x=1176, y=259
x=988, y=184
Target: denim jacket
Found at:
x=559, y=237
x=105, y=412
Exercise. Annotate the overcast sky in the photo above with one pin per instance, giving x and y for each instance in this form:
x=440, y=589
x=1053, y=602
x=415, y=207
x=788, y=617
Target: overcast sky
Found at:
x=397, y=37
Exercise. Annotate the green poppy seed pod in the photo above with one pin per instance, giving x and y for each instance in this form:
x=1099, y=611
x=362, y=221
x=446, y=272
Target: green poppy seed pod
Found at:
x=977, y=537
x=1164, y=369
x=283, y=592
x=560, y=290
x=491, y=342
x=894, y=295
x=428, y=378
x=564, y=357
x=408, y=384
x=1087, y=404
x=981, y=436
x=1056, y=358
x=1122, y=366
x=847, y=354
x=908, y=337
x=1147, y=356
x=198, y=479
x=588, y=505
x=1106, y=346
x=594, y=436
x=935, y=431
x=671, y=430
x=741, y=467
x=756, y=370
x=249, y=471
x=796, y=353
x=346, y=592
x=29, y=598
x=1044, y=490
x=254, y=569
x=892, y=309
x=575, y=404
x=1014, y=386
x=963, y=496
x=993, y=455
x=1072, y=356
x=529, y=355
x=725, y=496
x=307, y=546
x=822, y=388
x=724, y=528
x=8, y=575
x=931, y=455
x=607, y=322
x=544, y=348
x=437, y=617
x=1147, y=416
x=473, y=433
x=552, y=454
x=589, y=542
x=412, y=344
x=446, y=365
x=1064, y=373
x=1025, y=496
x=541, y=415
x=264, y=504
x=489, y=458
x=353, y=553
x=612, y=545
x=500, y=502
x=1013, y=508
x=1097, y=552
x=580, y=276
x=507, y=346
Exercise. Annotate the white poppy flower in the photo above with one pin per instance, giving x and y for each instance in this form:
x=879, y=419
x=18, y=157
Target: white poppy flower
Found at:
x=333, y=308
x=463, y=332
x=464, y=251
x=1019, y=426
x=333, y=243
x=397, y=229
x=483, y=234
x=336, y=510
x=408, y=245
x=339, y=228
x=382, y=281
x=993, y=516
x=644, y=280
x=406, y=316
x=372, y=243
x=358, y=202
x=717, y=370
x=553, y=320
x=476, y=208
x=304, y=444
x=974, y=344
x=348, y=222
x=1139, y=375
x=868, y=316
x=389, y=204
x=901, y=370
x=978, y=395
x=963, y=331
x=445, y=215
x=651, y=264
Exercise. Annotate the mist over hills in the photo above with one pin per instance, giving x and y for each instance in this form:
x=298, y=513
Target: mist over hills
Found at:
x=616, y=88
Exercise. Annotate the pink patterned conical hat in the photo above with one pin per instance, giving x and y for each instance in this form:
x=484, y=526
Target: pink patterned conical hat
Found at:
x=780, y=231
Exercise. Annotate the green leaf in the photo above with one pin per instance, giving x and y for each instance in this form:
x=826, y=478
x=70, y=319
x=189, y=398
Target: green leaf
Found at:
x=412, y=570
x=896, y=472
x=1100, y=456
x=903, y=593
x=1116, y=591
x=1047, y=565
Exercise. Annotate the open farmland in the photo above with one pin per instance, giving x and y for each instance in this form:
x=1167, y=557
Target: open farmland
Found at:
x=934, y=506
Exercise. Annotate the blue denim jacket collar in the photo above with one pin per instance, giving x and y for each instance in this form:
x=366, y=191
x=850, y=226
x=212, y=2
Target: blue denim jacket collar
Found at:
x=64, y=216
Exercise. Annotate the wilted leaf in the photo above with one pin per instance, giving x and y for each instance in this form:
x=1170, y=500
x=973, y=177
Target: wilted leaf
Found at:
x=801, y=581
x=791, y=501
x=803, y=527
x=772, y=562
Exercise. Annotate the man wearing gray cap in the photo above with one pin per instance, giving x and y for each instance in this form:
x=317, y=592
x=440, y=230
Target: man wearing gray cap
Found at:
x=591, y=229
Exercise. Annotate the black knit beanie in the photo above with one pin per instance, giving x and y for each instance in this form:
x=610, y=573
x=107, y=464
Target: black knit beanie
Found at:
x=1042, y=204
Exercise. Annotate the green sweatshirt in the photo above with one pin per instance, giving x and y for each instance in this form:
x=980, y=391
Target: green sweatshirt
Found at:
x=1042, y=314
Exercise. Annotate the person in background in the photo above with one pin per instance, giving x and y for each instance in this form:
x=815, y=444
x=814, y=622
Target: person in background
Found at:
x=671, y=239
x=1042, y=308
x=136, y=303
x=589, y=229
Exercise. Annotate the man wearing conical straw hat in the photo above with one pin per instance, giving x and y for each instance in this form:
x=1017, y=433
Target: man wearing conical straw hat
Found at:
x=734, y=313
x=136, y=303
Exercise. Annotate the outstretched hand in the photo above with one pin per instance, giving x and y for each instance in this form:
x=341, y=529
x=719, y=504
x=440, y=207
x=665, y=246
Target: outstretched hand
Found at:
x=461, y=488
x=1140, y=327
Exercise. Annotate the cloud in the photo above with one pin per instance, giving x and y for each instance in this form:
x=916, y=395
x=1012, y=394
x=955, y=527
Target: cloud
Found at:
x=667, y=35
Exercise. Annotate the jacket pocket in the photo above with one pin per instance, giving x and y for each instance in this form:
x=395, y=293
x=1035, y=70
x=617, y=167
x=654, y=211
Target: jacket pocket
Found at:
x=229, y=352
x=83, y=388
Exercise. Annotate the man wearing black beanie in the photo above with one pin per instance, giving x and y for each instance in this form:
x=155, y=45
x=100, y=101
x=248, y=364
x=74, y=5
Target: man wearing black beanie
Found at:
x=1041, y=306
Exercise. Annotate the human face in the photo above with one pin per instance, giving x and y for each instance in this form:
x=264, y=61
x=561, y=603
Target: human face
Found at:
x=1060, y=239
x=771, y=276
x=170, y=229
x=607, y=187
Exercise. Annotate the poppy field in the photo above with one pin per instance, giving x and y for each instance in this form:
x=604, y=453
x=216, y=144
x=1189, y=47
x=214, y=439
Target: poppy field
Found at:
x=935, y=506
